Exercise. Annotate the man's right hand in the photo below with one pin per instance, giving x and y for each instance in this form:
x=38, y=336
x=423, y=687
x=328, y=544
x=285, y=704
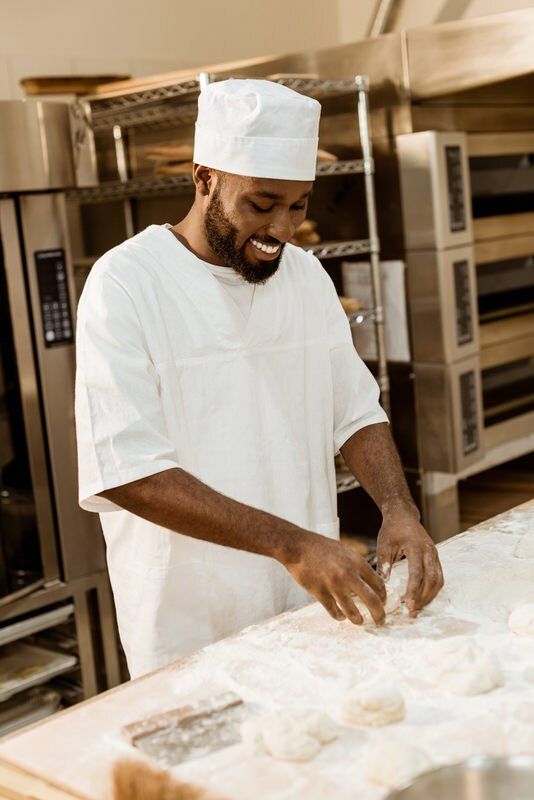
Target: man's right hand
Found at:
x=334, y=574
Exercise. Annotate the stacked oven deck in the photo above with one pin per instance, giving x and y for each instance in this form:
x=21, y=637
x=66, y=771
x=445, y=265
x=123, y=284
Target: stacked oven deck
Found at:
x=464, y=227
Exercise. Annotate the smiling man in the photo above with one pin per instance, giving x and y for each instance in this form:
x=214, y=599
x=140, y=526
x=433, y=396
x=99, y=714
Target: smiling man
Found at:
x=216, y=379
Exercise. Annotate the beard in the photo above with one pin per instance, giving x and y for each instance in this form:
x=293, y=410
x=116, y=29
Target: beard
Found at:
x=222, y=236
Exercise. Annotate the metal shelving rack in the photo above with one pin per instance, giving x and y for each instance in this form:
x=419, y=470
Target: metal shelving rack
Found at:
x=175, y=103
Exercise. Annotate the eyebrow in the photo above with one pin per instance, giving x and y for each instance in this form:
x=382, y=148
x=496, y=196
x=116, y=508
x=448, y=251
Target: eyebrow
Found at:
x=275, y=196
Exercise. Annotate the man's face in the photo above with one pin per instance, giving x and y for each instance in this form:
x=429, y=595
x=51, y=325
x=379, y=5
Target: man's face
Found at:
x=248, y=221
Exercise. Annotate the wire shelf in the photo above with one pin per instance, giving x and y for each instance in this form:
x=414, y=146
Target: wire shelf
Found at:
x=136, y=187
x=170, y=184
x=354, y=247
x=345, y=481
x=315, y=87
x=356, y=166
x=150, y=106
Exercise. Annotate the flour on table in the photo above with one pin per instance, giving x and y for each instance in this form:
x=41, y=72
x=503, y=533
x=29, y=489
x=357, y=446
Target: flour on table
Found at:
x=392, y=763
x=460, y=666
x=525, y=547
x=373, y=704
x=492, y=593
x=522, y=620
x=294, y=735
x=529, y=674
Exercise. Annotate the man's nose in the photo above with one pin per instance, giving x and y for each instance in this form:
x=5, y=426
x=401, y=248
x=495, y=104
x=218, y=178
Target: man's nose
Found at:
x=281, y=226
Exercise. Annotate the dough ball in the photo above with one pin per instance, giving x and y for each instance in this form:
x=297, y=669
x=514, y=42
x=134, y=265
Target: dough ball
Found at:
x=373, y=704
x=392, y=763
x=294, y=735
x=317, y=724
x=460, y=666
x=525, y=547
x=522, y=620
x=286, y=739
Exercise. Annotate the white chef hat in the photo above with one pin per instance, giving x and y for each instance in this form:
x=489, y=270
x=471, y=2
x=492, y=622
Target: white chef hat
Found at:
x=257, y=128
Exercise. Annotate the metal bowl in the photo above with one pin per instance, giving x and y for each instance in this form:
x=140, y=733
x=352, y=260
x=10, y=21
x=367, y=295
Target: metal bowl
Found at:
x=478, y=778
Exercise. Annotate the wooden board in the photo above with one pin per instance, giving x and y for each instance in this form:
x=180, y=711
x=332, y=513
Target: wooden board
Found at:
x=17, y=784
x=67, y=84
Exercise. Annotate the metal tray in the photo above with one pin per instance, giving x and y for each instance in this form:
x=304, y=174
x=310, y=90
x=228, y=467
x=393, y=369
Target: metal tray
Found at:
x=23, y=666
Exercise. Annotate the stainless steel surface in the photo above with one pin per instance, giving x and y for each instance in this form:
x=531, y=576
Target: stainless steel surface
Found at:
x=44, y=227
x=36, y=148
x=84, y=636
x=442, y=302
x=515, y=428
x=450, y=433
x=471, y=54
x=83, y=144
x=478, y=778
x=29, y=387
x=503, y=226
x=436, y=198
x=500, y=144
x=441, y=513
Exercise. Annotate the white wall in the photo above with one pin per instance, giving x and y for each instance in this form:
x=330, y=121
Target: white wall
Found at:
x=145, y=37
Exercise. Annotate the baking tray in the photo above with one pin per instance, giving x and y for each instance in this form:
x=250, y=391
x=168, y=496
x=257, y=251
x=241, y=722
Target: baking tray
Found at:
x=40, y=622
x=24, y=665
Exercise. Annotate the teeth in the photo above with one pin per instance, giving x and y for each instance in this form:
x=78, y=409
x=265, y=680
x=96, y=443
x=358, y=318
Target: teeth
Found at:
x=265, y=248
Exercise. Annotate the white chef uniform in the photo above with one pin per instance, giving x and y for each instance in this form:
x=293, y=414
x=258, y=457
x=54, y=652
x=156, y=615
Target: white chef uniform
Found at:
x=172, y=372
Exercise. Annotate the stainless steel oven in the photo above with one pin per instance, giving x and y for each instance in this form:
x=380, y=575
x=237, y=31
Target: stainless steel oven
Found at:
x=50, y=550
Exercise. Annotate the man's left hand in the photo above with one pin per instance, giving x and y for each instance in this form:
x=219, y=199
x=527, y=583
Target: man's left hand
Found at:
x=402, y=534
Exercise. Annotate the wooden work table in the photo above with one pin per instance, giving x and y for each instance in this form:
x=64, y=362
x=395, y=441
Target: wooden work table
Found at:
x=307, y=658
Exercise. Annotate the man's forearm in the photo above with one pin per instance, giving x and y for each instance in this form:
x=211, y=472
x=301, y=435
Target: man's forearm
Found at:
x=371, y=456
x=176, y=500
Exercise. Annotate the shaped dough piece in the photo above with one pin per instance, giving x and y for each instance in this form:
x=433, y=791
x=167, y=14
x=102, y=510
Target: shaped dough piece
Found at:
x=316, y=723
x=521, y=620
x=392, y=763
x=393, y=604
x=459, y=666
x=373, y=705
x=294, y=735
x=287, y=739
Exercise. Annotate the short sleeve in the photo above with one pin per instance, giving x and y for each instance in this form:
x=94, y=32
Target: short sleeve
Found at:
x=356, y=392
x=119, y=423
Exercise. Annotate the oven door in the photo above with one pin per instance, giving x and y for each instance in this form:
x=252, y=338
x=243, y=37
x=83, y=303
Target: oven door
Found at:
x=29, y=555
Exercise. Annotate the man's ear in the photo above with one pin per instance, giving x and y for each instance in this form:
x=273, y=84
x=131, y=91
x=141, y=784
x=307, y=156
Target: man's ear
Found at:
x=203, y=179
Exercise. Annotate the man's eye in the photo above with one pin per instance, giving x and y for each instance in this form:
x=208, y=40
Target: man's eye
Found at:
x=260, y=209
x=299, y=208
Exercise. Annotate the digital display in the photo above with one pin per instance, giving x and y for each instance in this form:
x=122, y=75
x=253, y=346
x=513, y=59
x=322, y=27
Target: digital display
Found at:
x=468, y=402
x=54, y=297
x=462, y=295
x=455, y=186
